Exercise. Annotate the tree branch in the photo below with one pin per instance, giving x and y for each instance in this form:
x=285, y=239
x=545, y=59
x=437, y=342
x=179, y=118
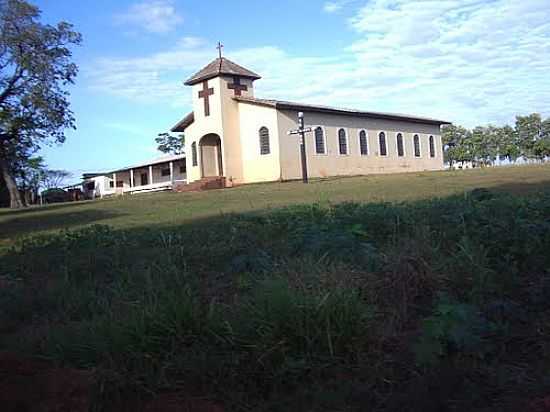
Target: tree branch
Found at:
x=11, y=85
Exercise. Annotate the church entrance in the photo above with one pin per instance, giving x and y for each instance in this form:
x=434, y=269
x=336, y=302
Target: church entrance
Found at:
x=211, y=155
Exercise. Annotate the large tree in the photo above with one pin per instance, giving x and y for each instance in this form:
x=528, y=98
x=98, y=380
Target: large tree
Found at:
x=507, y=142
x=456, y=143
x=529, y=130
x=35, y=69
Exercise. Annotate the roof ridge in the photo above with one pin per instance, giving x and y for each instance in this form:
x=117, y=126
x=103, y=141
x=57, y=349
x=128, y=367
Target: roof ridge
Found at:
x=218, y=67
x=282, y=104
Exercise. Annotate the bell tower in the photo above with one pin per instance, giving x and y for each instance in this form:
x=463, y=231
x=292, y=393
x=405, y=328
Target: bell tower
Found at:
x=218, y=81
x=216, y=90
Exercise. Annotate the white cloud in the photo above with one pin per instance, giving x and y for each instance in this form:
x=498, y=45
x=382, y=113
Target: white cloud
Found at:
x=468, y=61
x=476, y=61
x=335, y=5
x=153, y=16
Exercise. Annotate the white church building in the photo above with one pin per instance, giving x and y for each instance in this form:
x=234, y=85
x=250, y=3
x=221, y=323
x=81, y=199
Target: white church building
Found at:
x=236, y=136
x=233, y=138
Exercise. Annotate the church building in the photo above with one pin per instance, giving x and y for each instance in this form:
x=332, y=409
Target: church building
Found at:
x=238, y=138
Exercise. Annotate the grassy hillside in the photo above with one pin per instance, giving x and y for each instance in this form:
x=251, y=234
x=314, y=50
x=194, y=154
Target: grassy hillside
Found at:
x=437, y=299
x=169, y=209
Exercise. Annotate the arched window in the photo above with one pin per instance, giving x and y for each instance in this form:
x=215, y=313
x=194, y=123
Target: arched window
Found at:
x=264, y=141
x=342, y=142
x=416, y=140
x=319, y=140
x=363, y=143
x=194, y=153
x=400, y=148
x=432, y=147
x=382, y=144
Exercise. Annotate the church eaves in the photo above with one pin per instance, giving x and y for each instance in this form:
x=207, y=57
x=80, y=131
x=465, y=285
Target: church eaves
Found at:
x=184, y=123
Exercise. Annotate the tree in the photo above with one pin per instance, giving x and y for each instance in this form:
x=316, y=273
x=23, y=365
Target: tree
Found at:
x=529, y=131
x=54, y=179
x=35, y=70
x=542, y=148
x=545, y=128
x=507, y=142
x=455, y=140
x=170, y=144
x=30, y=177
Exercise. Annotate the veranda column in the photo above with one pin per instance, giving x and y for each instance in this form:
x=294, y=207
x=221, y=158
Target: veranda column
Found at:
x=114, y=181
x=131, y=177
x=171, y=172
x=150, y=175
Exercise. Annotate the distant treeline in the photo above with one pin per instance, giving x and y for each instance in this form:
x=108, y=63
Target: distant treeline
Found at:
x=529, y=138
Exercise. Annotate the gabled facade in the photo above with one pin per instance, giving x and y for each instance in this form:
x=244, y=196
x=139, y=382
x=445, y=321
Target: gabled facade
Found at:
x=233, y=134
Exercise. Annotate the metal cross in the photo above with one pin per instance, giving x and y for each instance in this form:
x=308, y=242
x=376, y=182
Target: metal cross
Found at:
x=302, y=132
x=220, y=47
x=205, y=94
x=237, y=86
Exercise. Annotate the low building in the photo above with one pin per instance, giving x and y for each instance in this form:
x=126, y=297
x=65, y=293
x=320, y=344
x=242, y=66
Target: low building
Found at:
x=163, y=173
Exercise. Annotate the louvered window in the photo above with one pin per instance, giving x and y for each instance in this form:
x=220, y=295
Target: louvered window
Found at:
x=319, y=141
x=342, y=142
x=382, y=144
x=416, y=141
x=400, y=148
x=264, y=141
x=194, y=154
x=363, y=143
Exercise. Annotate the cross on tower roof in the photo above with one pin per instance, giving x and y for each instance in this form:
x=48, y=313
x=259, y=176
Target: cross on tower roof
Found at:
x=219, y=47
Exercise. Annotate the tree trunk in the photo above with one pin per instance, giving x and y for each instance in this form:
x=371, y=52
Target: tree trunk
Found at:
x=16, y=201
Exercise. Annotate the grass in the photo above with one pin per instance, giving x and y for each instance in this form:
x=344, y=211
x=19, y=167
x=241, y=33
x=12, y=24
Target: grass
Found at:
x=435, y=299
x=168, y=209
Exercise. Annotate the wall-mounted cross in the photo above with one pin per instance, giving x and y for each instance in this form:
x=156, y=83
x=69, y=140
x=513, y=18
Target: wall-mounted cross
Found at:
x=205, y=94
x=237, y=87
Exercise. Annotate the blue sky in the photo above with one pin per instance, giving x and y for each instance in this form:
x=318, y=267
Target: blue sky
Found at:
x=468, y=61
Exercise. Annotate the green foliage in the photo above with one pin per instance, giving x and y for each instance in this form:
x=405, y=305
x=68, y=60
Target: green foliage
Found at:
x=302, y=322
x=530, y=138
x=36, y=70
x=453, y=328
x=529, y=131
x=455, y=139
x=309, y=307
x=541, y=148
x=170, y=144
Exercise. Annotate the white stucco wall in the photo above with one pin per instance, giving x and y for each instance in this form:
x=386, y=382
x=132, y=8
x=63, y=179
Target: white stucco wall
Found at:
x=224, y=121
x=203, y=125
x=258, y=167
x=238, y=123
x=334, y=164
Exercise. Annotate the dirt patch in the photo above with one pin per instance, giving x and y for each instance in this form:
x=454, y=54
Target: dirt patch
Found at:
x=179, y=403
x=29, y=385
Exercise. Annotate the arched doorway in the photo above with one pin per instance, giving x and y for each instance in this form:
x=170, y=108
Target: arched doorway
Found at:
x=211, y=155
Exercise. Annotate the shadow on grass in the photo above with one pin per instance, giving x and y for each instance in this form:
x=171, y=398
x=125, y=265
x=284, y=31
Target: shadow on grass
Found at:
x=223, y=254
x=522, y=189
x=28, y=225
x=45, y=208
